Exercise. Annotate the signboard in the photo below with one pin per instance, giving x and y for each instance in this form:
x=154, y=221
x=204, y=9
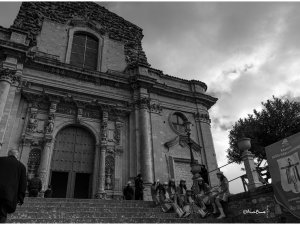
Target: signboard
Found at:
x=284, y=165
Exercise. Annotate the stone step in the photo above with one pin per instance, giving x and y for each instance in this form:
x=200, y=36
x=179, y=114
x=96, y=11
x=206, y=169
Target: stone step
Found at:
x=84, y=205
x=121, y=220
x=76, y=209
x=89, y=214
x=64, y=200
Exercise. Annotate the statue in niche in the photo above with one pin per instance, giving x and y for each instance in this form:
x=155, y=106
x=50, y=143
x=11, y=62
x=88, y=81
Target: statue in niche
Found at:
x=108, y=185
x=33, y=123
x=50, y=125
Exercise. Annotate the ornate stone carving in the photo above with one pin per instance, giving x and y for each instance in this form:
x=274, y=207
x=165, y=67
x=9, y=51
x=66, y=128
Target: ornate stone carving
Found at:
x=109, y=171
x=32, y=122
x=104, y=126
x=156, y=108
x=66, y=108
x=33, y=162
x=117, y=133
x=50, y=124
x=202, y=117
x=53, y=106
x=9, y=75
x=94, y=114
x=142, y=103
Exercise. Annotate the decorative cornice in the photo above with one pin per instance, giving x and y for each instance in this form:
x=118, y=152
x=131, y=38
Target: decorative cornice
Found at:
x=141, y=81
x=176, y=93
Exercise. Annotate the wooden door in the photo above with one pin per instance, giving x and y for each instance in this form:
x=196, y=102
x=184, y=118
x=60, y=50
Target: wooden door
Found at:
x=74, y=153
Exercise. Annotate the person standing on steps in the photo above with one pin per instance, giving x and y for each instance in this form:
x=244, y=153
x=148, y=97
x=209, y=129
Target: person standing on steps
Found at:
x=139, y=187
x=222, y=195
x=128, y=192
x=154, y=192
x=12, y=184
x=48, y=192
x=34, y=186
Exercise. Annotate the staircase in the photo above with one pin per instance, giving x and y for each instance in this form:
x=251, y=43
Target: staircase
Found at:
x=51, y=210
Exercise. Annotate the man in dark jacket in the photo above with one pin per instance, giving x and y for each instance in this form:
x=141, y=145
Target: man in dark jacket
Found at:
x=139, y=187
x=12, y=184
x=34, y=186
x=128, y=192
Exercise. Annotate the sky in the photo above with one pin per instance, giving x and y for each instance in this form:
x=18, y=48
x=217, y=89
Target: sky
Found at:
x=244, y=51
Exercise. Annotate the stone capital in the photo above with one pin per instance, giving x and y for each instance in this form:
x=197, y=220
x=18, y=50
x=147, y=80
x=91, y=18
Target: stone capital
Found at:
x=9, y=75
x=203, y=117
x=142, y=103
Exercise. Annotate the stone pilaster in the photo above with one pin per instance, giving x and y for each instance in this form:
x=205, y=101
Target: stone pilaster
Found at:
x=95, y=170
x=147, y=168
x=203, y=121
x=44, y=168
x=7, y=77
x=252, y=175
x=103, y=148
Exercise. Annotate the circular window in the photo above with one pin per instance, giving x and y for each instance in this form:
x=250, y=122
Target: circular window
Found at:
x=177, y=121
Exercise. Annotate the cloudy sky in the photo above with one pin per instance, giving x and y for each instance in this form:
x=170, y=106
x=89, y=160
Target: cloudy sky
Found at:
x=244, y=51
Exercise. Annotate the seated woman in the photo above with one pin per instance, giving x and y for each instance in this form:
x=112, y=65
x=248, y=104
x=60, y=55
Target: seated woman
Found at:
x=168, y=198
x=189, y=205
x=181, y=193
x=202, y=194
x=221, y=195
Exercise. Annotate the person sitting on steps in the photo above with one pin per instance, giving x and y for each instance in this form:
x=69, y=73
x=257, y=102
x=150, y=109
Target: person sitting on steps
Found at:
x=181, y=193
x=34, y=186
x=221, y=196
x=201, y=193
x=168, y=198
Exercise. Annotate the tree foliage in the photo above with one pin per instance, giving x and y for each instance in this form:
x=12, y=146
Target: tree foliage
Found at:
x=278, y=119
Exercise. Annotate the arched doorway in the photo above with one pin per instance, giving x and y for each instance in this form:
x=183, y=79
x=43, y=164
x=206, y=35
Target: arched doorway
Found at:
x=72, y=163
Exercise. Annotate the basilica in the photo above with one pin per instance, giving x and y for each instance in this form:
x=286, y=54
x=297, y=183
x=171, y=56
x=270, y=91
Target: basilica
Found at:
x=86, y=110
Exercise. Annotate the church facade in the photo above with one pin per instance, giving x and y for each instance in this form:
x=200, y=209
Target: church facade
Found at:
x=85, y=109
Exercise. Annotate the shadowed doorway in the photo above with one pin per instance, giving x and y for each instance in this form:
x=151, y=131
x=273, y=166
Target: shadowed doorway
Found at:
x=72, y=163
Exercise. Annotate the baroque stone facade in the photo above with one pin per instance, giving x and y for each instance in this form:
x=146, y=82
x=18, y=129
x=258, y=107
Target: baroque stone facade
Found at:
x=101, y=127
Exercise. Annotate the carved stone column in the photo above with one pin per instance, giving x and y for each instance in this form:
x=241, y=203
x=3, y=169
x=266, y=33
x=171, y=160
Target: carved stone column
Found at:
x=7, y=77
x=103, y=148
x=95, y=170
x=208, y=151
x=147, y=168
x=44, y=169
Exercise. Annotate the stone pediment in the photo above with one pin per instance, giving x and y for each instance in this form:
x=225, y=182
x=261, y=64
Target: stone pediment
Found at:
x=182, y=141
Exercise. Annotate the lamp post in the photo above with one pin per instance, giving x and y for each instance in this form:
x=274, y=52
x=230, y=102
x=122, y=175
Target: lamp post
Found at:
x=244, y=144
x=195, y=167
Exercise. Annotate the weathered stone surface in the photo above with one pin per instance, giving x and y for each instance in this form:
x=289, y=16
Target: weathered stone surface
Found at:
x=32, y=15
